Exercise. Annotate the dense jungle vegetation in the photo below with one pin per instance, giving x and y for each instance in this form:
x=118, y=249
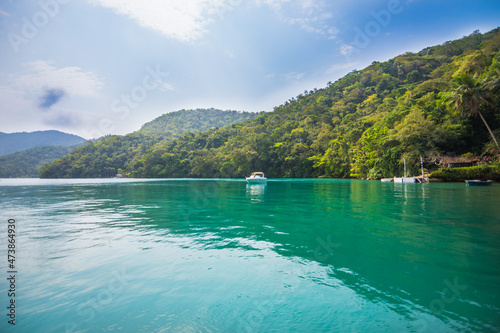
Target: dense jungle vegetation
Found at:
x=27, y=163
x=431, y=103
x=114, y=154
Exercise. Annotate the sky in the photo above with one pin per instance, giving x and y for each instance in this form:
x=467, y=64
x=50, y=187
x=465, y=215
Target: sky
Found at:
x=98, y=67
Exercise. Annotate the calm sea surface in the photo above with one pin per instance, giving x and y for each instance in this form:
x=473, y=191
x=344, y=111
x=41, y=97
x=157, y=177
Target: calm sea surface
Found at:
x=223, y=256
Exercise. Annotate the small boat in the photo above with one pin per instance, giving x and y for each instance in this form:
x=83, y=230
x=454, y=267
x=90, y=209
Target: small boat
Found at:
x=386, y=180
x=256, y=178
x=478, y=182
x=412, y=180
x=405, y=180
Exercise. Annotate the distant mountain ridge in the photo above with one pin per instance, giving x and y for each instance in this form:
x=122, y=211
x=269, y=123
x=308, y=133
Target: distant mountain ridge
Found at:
x=15, y=142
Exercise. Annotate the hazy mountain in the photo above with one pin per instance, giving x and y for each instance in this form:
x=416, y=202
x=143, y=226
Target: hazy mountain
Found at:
x=14, y=142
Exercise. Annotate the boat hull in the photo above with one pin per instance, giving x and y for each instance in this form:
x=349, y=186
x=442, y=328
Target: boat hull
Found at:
x=478, y=182
x=405, y=180
x=251, y=180
x=256, y=181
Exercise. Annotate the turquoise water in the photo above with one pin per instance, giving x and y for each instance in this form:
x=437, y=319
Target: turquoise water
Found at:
x=222, y=256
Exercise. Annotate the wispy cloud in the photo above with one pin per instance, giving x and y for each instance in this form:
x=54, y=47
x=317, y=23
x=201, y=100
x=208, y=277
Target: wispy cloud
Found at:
x=340, y=67
x=43, y=75
x=310, y=15
x=274, y=4
x=294, y=76
x=62, y=119
x=164, y=86
x=346, y=49
x=42, y=86
x=4, y=13
x=179, y=19
x=188, y=21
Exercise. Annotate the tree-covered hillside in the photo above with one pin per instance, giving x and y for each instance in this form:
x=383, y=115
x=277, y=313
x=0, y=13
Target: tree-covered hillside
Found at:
x=363, y=125
x=191, y=121
x=113, y=154
x=27, y=163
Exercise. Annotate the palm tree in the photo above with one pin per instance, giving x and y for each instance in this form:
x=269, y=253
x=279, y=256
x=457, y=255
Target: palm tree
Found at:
x=492, y=83
x=468, y=94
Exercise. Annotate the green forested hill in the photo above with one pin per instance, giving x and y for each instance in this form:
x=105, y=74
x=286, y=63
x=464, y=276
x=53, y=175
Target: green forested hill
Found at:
x=27, y=163
x=362, y=125
x=114, y=154
x=190, y=121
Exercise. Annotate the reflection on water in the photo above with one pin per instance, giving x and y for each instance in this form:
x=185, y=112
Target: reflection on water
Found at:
x=217, y=255
x=256, y=192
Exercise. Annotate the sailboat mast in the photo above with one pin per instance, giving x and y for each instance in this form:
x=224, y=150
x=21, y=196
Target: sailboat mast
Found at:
x=404, y=161
x=422, y=166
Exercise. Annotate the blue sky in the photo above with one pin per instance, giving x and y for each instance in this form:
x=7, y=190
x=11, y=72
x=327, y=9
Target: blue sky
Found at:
x=95, y=67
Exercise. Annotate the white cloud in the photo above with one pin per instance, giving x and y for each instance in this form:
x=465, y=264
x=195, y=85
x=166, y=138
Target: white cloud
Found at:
x=3, y=13
x=294, y=76
x=21, y=95
x=185, y=20
x=20, y=114
x=12, y=99
x=346, y=49
x=339, y=67
x=310, y=15
x=274, y=4
x=164, y=86
x=43, y=74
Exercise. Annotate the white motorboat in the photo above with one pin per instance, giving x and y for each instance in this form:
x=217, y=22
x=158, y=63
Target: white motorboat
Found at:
x=256, y=178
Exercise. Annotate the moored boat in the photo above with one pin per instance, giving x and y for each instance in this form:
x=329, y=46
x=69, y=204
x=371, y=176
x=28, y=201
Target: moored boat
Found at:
x=478, y=182
x=412, y=180
x=256, y=178
x=406, y=180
